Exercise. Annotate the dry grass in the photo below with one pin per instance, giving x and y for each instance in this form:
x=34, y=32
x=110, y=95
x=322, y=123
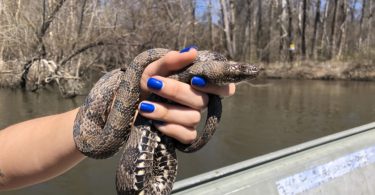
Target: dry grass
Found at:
x=328, y=70
x=10, y=74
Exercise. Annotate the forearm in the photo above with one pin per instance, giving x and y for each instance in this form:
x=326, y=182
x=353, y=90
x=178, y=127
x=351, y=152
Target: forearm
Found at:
x=37, y=150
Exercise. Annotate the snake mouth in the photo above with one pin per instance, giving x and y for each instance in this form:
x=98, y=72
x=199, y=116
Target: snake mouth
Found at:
x=252, y=70
x=244, y=70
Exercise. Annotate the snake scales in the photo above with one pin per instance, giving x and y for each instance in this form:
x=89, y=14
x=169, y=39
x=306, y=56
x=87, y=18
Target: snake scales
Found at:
x=148, y=164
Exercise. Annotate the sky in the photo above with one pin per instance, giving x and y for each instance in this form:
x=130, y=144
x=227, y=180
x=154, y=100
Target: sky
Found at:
x=202, y=8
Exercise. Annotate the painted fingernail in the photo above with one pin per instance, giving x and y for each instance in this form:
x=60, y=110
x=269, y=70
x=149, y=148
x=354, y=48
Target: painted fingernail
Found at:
x=198, y=81
x=154, y=84
x=186, y=49
x=147, y=107
x=157, y=122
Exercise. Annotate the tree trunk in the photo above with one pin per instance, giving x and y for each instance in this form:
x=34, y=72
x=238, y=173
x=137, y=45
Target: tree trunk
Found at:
x=247, y=42
x=268, y=47
x=361, y=24
x=290, y=31
x=316, y=22
x=324, y=38
x=233, y=27
x=82, y=15
x=342, y=38
x=193, y=9
x=332, y=46
x=303, y=34
x=210, y=33
x=2, y=47
x=259, y=40
x=370, y=33
x=228, y=26
x=283, y=21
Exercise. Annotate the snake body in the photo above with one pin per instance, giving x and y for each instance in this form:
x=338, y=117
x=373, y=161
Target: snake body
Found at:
x=104, y=122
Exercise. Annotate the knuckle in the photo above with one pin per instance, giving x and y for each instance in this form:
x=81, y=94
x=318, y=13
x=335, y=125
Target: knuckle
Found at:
x=201, y=102
x=174, y=91
x=170, y=57
x=163, y=113
x=189, y=137
x=195, y=117
x=205, y=101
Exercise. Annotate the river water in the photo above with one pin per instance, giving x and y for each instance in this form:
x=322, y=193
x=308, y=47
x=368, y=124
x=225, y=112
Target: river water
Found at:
x=257, y=120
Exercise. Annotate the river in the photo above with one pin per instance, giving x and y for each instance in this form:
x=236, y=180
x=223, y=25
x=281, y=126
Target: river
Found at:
x=257, y=120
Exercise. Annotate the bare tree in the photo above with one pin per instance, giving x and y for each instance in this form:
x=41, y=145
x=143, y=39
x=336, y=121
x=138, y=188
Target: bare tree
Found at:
x=343, y=26
x=193, y=9
x=360, y=40
x=102, y=35
x=324, y=40
x=303, y=33
x=259, y=42
x=290, y=30
x=210, y=24
x=370, y=34
x=315, y=33
x=332, y=45
x=228, y=9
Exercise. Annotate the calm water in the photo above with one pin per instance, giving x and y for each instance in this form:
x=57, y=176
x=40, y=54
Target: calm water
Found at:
x=257, y=120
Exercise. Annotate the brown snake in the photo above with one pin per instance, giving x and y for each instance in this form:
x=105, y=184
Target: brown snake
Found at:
x=148, y=163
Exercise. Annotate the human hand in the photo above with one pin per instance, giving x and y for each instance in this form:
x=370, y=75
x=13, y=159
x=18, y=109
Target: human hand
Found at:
x=178, y=121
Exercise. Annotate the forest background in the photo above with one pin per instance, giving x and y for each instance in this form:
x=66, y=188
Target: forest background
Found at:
x=61, y=41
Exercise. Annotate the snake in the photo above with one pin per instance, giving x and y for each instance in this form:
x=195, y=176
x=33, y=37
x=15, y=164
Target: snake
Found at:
x=107, y=120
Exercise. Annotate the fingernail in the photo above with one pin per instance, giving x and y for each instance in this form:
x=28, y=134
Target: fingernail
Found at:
x=154, y=84
x=147, y=107
x=186, y=49
x=198, y=81
x=157, y=122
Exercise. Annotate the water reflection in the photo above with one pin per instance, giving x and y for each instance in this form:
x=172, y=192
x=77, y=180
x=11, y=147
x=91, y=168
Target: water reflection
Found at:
x=257, y=120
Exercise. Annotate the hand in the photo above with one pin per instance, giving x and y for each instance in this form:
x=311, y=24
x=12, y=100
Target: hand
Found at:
x=179, y=122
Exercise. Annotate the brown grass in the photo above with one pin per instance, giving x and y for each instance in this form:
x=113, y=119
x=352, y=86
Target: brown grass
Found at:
x=328, y=70
x=10, y=74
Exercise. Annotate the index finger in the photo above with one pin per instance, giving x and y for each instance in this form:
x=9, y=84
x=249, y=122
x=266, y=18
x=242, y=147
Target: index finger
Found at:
x=168, y=64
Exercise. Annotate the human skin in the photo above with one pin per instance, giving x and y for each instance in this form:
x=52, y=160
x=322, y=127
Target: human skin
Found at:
x=40, y=149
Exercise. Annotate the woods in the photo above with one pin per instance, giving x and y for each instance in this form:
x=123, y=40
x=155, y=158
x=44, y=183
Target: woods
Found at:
x=76, y=36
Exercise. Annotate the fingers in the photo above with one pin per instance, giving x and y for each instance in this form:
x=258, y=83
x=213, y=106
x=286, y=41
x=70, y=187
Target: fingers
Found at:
x=179, y=92
x=166, y=65
x=194, y=95
x=170, y=113
x=185, y=135
x=199, y=83
x=178, y=122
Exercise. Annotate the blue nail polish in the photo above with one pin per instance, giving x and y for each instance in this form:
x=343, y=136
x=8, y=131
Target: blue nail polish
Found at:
x=154, y=84
x=147, y=107
x=198, y=81
x=157, y=122
x=186, y=49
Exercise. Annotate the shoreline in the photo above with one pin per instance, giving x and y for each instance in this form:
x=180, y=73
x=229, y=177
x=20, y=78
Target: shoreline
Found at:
x=10, y=76
x=328, y=70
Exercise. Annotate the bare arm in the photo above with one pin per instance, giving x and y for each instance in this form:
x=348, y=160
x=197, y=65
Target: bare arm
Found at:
x=37, y=150
x=42, y=148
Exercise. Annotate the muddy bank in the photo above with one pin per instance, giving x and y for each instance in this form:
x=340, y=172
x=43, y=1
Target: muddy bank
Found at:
x=38, y=75
x=10, y=74
x=330, y=70
x=41, y=74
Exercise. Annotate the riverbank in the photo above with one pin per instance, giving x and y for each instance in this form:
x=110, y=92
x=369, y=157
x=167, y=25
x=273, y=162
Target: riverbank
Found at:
x=328, y=70
x=11, y=72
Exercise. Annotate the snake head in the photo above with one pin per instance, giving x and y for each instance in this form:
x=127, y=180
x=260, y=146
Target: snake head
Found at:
x=224, y=72
x=238, y=72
